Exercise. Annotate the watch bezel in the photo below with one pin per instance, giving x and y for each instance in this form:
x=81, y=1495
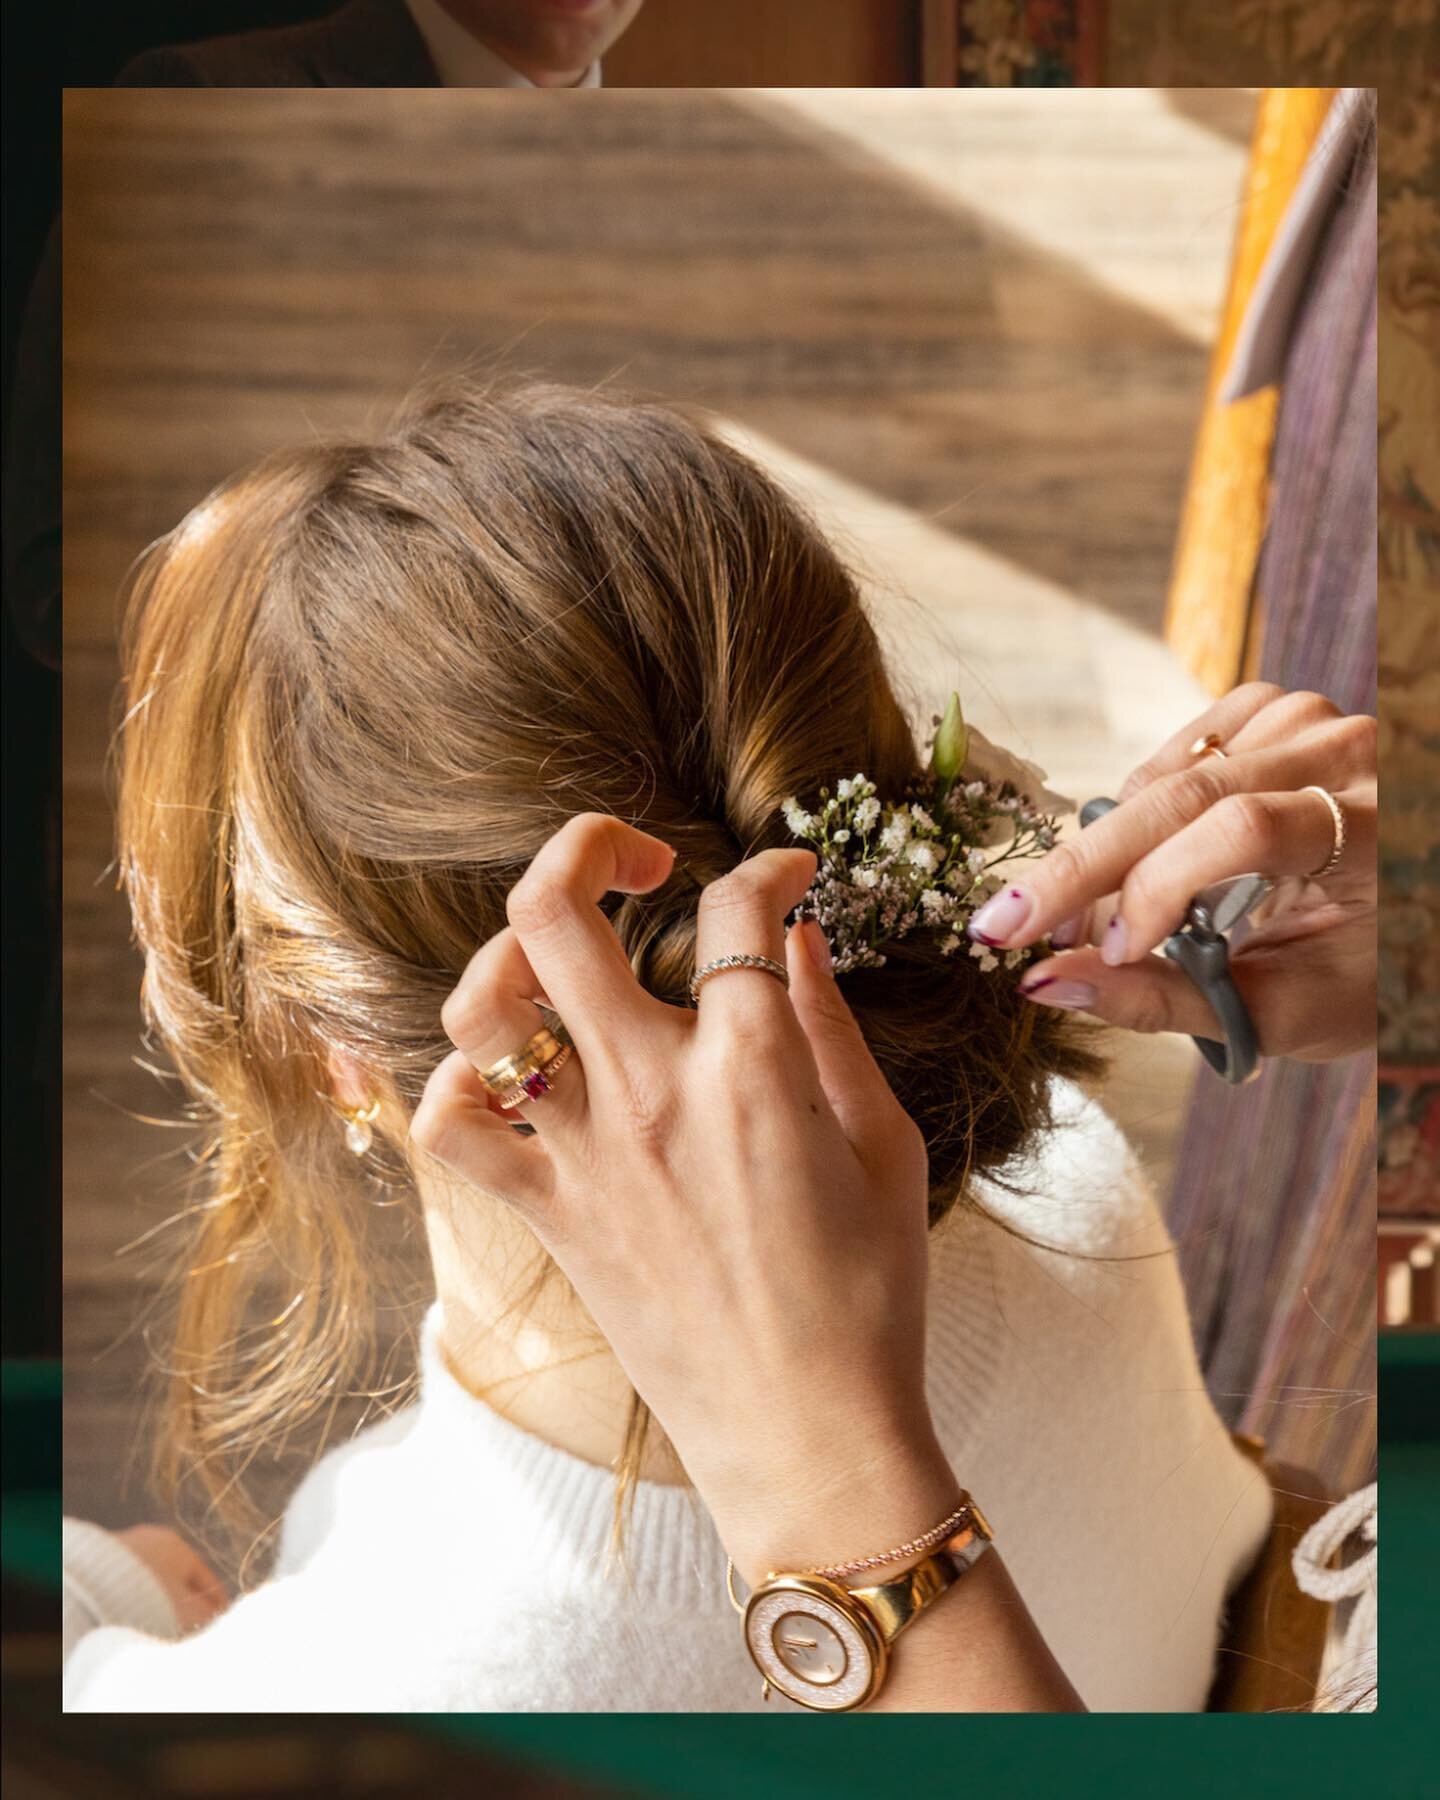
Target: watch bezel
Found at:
x=839, y=1598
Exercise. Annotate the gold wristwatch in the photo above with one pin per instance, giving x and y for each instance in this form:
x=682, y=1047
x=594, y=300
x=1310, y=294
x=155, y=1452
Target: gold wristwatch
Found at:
x=827, y=1646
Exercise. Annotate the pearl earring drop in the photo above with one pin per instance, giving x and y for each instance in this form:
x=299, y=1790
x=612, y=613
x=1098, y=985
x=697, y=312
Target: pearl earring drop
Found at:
x=358, y=1120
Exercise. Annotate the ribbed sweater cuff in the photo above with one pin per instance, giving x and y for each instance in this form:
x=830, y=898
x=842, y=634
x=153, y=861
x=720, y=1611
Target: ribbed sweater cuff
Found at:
x=106, y=1581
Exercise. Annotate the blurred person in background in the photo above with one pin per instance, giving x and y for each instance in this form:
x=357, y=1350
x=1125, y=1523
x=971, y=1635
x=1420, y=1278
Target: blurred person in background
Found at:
x=405, y=43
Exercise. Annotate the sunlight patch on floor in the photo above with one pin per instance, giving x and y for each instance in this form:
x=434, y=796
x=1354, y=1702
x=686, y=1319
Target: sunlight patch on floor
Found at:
x=1111, y=181
x=1060, y=679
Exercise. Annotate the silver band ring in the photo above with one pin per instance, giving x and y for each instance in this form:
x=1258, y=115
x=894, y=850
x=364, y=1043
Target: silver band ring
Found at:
x=1337, y=849
x=723, y=964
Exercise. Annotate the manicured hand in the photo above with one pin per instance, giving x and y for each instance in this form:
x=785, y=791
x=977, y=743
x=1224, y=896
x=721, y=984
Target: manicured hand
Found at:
x=734, y=1192
x=1111, y=894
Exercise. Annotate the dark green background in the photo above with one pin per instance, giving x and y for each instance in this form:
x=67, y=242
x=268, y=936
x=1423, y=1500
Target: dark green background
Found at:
x=1392, y=1753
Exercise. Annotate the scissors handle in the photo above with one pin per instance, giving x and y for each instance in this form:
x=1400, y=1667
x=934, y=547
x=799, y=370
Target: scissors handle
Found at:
x=1204, y=955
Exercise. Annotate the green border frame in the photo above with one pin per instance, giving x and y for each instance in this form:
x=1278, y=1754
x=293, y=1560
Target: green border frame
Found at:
x=714, y=1756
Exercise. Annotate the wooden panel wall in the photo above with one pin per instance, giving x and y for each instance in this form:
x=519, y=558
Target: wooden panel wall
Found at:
x=759, y=43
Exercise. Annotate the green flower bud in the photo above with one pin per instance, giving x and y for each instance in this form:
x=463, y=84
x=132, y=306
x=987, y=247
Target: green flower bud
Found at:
x=951, y=747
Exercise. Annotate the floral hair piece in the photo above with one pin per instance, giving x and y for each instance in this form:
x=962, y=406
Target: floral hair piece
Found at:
x=928, y=861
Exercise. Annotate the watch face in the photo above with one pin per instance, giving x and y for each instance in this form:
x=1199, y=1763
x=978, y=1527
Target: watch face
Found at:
x=813, y=1643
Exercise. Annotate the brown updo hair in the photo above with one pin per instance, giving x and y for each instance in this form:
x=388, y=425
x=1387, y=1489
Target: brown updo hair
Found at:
x=363, y=683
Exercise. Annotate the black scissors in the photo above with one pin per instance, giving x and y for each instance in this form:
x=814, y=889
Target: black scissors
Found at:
x=1201, y=949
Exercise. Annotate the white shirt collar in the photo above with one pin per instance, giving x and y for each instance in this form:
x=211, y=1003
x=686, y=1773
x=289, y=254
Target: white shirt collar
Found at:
x=463, y=61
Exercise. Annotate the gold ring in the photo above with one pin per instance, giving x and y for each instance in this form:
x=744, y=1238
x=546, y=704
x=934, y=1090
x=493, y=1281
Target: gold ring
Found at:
x=1337, y=849
x=510, y=1071
x=723, y=964
x=1209, y=745
x=538, y=1082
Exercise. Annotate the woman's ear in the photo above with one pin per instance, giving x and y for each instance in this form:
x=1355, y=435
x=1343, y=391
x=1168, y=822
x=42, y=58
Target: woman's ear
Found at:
x=350, y=1085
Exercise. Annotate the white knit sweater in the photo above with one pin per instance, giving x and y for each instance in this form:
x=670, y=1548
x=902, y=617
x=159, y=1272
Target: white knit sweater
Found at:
x=445, y=1560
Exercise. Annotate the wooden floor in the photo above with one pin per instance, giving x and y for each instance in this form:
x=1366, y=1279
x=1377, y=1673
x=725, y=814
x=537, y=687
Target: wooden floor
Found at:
x=998, y=427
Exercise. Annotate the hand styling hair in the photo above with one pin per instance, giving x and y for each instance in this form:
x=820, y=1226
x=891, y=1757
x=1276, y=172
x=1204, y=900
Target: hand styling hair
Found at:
x=364, y=683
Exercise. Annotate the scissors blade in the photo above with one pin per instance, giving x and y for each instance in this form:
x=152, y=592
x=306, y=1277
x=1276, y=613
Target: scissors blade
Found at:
x=1227, y=902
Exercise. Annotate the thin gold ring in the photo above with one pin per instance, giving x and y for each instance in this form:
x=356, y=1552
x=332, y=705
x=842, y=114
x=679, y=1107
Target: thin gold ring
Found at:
x=1209, y=745
x=723, y=964
x=509, y=1071
x=1337, y=849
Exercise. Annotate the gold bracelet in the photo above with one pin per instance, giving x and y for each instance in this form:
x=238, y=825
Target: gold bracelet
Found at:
x=967, y=1512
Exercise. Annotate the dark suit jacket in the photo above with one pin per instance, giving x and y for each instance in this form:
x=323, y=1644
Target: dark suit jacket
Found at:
x=367, y=43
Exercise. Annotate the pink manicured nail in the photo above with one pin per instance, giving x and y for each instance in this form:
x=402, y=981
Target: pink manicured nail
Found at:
x=1067, y=933
x=1112, y=945
x=817, y=945
x=1054, y=990
x=999, y=919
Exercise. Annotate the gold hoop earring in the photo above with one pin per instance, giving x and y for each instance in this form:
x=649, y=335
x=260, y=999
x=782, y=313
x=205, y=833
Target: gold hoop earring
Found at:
x=358, y=1120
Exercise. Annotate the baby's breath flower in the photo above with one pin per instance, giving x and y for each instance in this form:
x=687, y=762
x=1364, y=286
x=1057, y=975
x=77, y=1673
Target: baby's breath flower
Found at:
x=918, y=863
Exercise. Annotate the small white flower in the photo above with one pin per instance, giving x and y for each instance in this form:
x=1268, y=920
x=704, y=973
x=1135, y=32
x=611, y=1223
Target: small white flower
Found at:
x=953, y=943
x=866, y=813
x=922, y=819
x=796, y=817
x=934, y=904
x=866, y=878
x=975, y=862
x=840, y=837
x=984, y=956
x=896, y=834
x=844, y=788
x=1014, y=958
x=924, y=856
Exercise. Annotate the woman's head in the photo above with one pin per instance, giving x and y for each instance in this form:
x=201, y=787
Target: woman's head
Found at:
x=364, y=683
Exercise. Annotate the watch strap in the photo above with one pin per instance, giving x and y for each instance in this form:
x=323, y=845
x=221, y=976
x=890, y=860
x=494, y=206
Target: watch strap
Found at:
x=896, y=1604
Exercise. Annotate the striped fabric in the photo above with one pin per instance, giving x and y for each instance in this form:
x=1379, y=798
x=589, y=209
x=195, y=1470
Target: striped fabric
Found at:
x=1274, y=1199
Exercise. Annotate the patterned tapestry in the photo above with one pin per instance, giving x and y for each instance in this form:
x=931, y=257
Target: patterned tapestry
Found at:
x=1014, y=43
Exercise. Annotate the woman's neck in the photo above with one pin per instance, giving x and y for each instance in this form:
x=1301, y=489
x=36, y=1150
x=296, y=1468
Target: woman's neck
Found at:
x=516, y=1336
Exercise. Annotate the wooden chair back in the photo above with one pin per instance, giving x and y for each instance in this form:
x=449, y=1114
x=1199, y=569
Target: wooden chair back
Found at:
x=1270, y=1653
